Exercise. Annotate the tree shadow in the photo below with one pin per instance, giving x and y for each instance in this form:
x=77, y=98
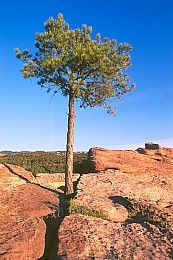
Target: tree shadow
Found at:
x=19, y=175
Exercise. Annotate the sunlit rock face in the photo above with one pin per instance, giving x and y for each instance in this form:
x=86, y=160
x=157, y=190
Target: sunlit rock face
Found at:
x=23, y=204
x=129, y=197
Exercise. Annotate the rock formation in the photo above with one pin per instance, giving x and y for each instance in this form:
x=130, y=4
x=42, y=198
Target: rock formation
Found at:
x=54, y=180
x=123, y=209
x=157, y=152
x=128, y=161
x=23, y=204
x=126, y=212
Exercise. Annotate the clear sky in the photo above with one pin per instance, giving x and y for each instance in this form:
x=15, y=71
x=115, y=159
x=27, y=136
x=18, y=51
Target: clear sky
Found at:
x=30, y=120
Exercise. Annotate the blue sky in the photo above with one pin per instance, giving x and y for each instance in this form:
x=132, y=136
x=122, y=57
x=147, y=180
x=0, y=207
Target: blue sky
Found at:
x=30, y=120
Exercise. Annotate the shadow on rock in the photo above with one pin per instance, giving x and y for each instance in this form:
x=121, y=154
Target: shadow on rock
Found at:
x=123, y=201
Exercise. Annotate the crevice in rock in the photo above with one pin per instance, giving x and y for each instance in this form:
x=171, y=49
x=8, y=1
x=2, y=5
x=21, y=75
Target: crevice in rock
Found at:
x=75, y=184
x=138, y=213
x=53, y=222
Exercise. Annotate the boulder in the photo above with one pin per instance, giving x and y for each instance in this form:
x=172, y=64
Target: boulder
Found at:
x=127, y=161
x=152, y=146
x=157, y=152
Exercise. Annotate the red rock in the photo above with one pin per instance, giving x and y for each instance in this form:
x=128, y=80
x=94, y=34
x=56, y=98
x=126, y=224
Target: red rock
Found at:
x=126, y=161
x=83, y=238
x=23, y=205
x=157, y=152
x=53, y=181
x=136, y=198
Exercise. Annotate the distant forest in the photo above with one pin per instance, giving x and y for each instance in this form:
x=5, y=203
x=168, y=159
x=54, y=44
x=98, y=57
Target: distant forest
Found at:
x=45, y=162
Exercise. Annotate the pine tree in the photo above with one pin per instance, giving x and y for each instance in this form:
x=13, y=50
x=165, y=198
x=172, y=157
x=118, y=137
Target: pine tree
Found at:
x=71, y=63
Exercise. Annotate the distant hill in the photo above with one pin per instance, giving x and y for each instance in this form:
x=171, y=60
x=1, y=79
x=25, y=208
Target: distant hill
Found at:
x=6, y=152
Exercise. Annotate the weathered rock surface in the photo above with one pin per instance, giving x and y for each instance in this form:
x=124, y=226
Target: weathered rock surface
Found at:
x=136, y=198
x=126, y=209
x=83, y=238
x=127, y=161
x=54, y=181
x=157, y=152
x=23, y=204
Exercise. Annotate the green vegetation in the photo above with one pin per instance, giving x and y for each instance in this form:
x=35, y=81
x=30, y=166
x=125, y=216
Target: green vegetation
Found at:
x=74, y=208
x=69, y=62
x=46, y=162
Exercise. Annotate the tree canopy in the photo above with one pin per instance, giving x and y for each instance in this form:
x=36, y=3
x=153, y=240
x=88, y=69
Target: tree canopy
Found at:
x=69, y=61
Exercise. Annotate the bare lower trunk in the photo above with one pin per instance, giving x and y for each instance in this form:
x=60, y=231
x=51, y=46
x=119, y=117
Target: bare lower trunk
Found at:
x=69, y=149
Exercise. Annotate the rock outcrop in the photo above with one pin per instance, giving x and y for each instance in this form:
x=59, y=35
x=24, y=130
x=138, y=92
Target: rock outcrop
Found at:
x=128, y=161
x=54, y=181
x=122, y=210
x=157, y=152
x=100, y=159
x=23, y=204
x=83, y=237
x=120, y=213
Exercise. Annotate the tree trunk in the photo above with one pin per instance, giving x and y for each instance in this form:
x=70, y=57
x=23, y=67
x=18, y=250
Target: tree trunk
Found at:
x=69, y=148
